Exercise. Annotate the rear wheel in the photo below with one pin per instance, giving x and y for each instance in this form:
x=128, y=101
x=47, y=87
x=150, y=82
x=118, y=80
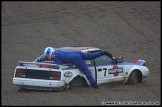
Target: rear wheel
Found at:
x=77, y=83
x=133, y=79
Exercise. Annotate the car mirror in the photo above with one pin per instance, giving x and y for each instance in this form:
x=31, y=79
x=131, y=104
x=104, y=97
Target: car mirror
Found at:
x=119, y=60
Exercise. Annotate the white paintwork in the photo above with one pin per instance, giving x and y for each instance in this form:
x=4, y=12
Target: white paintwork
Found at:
x=102, y=76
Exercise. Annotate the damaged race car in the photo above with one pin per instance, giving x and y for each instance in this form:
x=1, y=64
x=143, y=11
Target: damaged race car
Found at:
x=50, y=76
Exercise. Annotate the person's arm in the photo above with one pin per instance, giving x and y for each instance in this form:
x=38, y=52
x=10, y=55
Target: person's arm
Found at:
x=42, y=58
x=91, y=56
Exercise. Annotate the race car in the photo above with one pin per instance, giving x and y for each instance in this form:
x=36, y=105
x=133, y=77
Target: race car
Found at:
x=50, y=76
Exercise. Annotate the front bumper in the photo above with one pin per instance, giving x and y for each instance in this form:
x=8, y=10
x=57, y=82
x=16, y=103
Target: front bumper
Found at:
x=39, y=84
x=146, y=74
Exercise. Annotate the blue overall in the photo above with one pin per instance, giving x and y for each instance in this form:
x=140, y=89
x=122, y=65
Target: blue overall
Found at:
x=77, y=58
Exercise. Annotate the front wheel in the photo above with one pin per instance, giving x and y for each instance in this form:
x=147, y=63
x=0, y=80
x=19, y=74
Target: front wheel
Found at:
x=77, y=83
x=133, y=79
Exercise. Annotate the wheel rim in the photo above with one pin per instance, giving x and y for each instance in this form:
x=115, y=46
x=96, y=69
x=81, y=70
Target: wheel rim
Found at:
x=78, y=84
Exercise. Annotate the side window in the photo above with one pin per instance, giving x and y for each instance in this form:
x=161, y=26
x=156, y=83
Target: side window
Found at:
x=89, y=62
x=103, y=60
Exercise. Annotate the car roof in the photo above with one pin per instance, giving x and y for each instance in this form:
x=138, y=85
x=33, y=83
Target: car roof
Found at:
x=78, y=48
x=85, y=49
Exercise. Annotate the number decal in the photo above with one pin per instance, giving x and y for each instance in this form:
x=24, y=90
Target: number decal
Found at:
x=99, y=70
x=105, y=69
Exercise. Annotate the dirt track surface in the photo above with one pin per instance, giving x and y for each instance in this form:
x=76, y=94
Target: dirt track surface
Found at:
x=130, y=29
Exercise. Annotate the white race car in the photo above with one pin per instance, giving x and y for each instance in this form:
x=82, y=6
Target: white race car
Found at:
x=50, y=76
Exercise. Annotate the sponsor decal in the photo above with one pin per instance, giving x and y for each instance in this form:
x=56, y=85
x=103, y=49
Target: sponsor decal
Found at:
x=115, y=70
x=68, y=74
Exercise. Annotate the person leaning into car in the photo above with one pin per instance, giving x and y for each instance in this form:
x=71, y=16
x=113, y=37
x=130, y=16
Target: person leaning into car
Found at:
x=76, y=57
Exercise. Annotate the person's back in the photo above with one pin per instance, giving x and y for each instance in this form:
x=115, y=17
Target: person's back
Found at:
x=61, y=57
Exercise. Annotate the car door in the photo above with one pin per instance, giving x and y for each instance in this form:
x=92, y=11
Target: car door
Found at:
x=107, y=70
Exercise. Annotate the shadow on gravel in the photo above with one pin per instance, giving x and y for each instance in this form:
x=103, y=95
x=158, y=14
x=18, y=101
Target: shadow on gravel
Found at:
x=33, y=90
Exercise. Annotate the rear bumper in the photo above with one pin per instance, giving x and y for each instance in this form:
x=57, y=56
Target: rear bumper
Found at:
x=39, y=84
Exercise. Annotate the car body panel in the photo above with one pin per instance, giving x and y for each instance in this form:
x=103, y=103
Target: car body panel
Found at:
x=107, y=70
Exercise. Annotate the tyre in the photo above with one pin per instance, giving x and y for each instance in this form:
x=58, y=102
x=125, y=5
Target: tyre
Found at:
x=77, y=82
x=133, y=79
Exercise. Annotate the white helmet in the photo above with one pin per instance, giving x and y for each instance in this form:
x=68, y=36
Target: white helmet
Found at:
x=48, y=51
